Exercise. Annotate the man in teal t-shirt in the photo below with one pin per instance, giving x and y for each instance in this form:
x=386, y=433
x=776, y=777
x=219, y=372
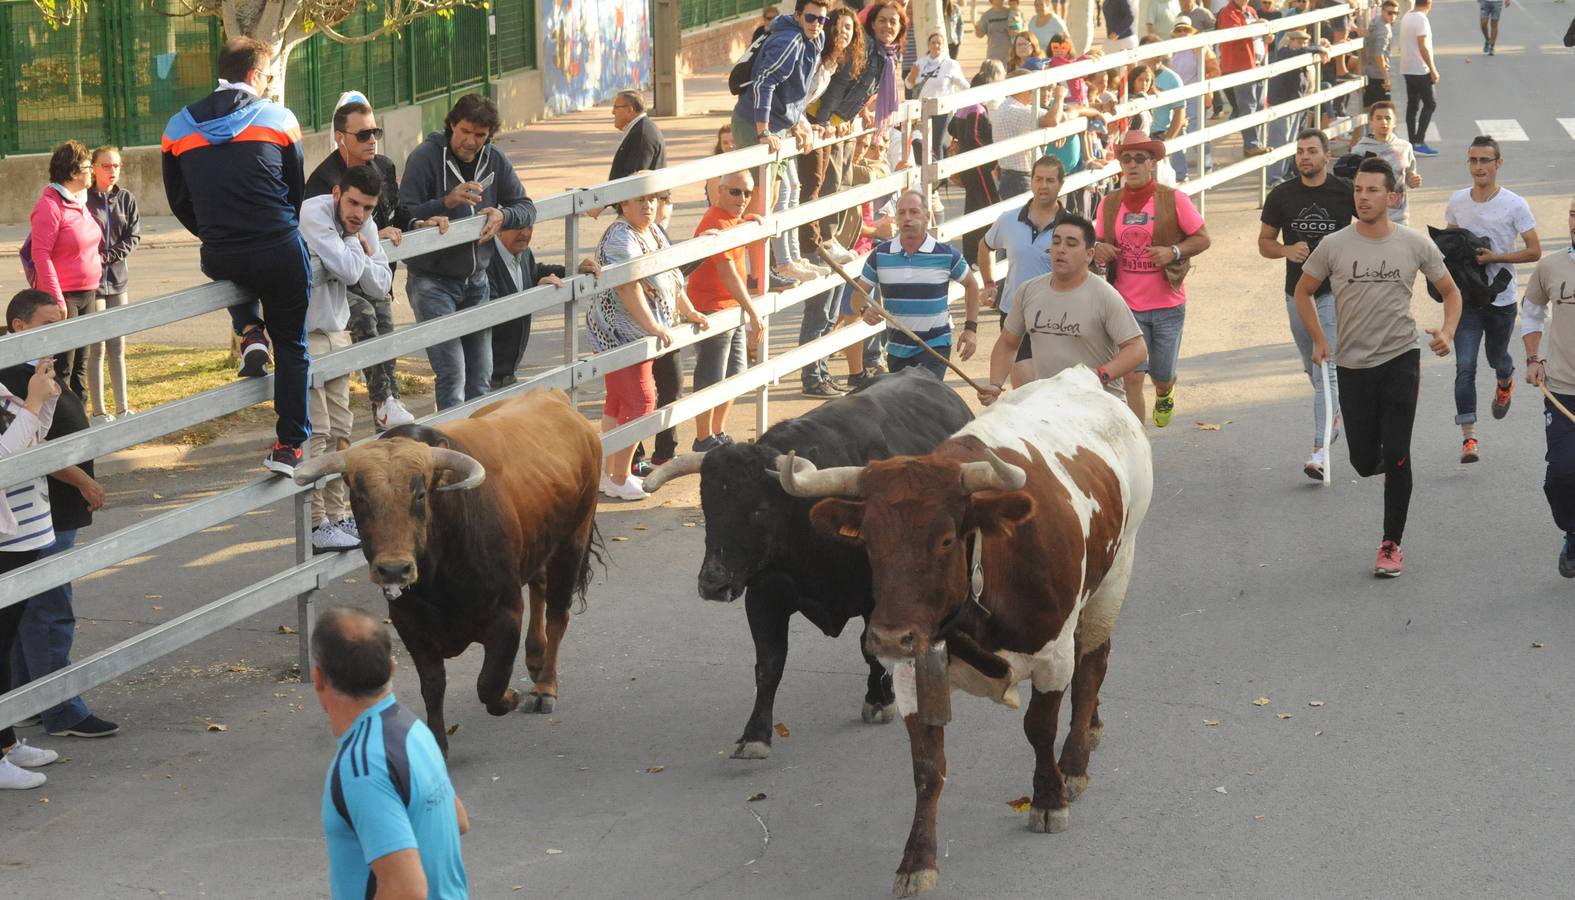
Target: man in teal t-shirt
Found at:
x=390, y=815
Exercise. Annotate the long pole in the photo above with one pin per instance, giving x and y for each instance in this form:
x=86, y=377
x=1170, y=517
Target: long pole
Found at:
x=893, y=322
x=1555, y=401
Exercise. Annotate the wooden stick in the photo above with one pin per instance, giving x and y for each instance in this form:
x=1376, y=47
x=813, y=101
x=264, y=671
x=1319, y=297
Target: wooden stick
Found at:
x=893, y=322
x=1555, y=401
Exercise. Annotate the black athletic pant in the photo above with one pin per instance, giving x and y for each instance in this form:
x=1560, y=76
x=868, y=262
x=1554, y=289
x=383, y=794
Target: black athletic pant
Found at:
x=1378, y=406
x=1419, y=106
x=669, y=373
x=1559, y=482
x=10, y=618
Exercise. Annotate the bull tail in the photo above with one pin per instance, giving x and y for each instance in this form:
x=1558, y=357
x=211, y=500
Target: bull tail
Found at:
x=593, y=557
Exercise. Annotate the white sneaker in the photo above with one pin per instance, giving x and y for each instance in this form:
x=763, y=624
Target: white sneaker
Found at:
x=631, y=489
x=814, y=269
x=1314, y=466
x=802, y=270
x=391, y=414
x=30, y=757
x=347, y=525
x=327, y=538
x=837, y=253
x=104, y=419
x=18, y=779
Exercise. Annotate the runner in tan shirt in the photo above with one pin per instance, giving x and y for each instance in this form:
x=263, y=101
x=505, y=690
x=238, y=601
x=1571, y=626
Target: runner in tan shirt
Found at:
x=1372, y=265
x=1069, y=319
x=1551, y=289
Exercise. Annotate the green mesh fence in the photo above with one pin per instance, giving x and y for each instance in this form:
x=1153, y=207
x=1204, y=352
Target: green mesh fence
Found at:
x=700, y=13
x=120, y=72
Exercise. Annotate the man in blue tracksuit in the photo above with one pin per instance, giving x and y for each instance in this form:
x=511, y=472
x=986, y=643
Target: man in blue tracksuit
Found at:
x=457, y=172
x=233, y=172
x=773, y=103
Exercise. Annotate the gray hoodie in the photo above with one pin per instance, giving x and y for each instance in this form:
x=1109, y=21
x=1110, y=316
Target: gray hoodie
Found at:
x=430, y=173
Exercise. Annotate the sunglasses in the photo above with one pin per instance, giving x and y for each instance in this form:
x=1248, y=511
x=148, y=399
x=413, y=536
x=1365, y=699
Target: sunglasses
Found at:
x=815, y=19
x=1134, y=159
x=365, y=134
x=740, y=192
x=1481, y=160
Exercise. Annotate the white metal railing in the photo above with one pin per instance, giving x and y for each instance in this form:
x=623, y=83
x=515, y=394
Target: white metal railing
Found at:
x=308, y=575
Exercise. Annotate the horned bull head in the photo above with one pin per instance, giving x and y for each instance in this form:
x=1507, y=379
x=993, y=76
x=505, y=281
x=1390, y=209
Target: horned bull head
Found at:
x=913, y=518
x=388, y=481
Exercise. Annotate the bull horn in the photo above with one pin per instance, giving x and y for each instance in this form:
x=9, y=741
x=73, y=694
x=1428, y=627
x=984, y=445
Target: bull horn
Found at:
x=319, y=467
x=470, y=471
x=992, y=474
x=677, y=467
x=800, y=478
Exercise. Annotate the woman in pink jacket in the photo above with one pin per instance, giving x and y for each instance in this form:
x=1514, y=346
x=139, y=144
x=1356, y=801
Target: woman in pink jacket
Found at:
x=65, y=242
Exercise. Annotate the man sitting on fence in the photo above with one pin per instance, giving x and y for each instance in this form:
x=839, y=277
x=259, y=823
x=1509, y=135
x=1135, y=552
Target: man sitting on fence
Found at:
x=234, y=177
x=455, y=278
x=355, y=144
x=341, y=234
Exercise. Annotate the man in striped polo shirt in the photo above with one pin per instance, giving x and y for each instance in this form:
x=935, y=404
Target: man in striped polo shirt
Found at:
x=915, y=272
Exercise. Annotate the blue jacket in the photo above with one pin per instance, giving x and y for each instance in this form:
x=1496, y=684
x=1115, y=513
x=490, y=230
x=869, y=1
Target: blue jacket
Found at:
x=431, y=172
x=783, y=68
x=233, y=170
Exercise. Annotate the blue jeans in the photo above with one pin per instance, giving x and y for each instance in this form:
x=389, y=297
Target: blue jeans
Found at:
x=1283, y=131
x=820, y=316
x=463, y=366
x=1304, y=344
x=784, y=247
x=924, y=360
x=1496, y=323
x=281, y=277
x=43, y=640
x=1248, y=99
x=1162, y=333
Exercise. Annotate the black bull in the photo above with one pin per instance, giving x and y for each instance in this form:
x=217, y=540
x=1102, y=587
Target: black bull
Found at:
x=759, y=541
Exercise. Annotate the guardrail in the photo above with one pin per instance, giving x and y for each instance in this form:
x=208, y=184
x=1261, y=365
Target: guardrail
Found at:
x=309, y=575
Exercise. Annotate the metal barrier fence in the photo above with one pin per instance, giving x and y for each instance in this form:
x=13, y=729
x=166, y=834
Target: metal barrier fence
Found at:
x=119, y=72
x=309, y=574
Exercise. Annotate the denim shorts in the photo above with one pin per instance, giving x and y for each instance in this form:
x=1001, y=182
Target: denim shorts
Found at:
x=1490, y=9
x=721, y=356
x=1162, y=334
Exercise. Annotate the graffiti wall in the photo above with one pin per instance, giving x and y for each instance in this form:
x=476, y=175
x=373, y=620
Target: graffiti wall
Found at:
x=593, y=49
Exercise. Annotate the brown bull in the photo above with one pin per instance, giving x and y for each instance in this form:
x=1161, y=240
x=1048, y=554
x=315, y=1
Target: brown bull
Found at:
x=456, y=520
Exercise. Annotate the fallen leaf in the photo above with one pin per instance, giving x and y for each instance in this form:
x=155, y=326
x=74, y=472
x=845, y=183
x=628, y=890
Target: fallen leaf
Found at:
x=451, y=729
x=1221, y=790
x=1021, y=804
x=158, y=608
x=1211, y=722
x=518, y=887
x=782, y=730
x=553, y=852
x=1261, y=701
x=1317, y=734
x=641, y=528
x=689, y=524
x=756, y=798
x=620, y=538
x=1257, y=818
x=655, y=769
x=215, y=726
x=153, y=596
x=1207, y=426
x=1536, y=645
x=1315, y=703
x=349, y=581
x=1283, y=715
x=285, y=629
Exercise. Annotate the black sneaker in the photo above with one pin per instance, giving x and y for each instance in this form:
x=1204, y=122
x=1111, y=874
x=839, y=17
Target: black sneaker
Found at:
x=724, y=437
x=711, y=442
x=860, y=379
x=254, y=355
x=90, y=727
x=1567, y=556
x=283, y=459
x=641, y=467
x=821, y=390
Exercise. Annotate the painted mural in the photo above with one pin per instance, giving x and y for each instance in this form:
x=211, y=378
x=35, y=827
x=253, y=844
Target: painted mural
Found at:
x=593, y=49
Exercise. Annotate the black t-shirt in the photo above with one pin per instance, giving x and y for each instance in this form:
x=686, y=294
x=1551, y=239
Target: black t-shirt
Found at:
x=1310, y=214
x=67, y=506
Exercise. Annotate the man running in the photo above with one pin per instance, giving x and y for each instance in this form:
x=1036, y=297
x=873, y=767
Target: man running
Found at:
x=1499, y=216
x=1297, y=215
x=1382, y=141
x=1071, y=318
x=1490, y=10
x=1024, y=234
x=1551, y=288
x=1372, y=265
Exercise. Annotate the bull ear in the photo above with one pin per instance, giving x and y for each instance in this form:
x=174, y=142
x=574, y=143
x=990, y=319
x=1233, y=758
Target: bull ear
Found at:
x=840, y=519
x=1001, y=514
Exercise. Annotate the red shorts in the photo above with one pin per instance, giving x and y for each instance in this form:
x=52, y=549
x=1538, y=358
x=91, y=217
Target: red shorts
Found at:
x=631, y=393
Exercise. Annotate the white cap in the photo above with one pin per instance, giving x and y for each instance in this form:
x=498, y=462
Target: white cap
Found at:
x=351, y=97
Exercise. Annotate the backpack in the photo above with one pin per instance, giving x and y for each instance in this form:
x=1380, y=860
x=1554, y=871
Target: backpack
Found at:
x=743, y=71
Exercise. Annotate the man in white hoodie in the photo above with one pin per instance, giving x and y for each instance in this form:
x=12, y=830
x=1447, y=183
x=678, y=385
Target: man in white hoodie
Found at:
x=341, y=234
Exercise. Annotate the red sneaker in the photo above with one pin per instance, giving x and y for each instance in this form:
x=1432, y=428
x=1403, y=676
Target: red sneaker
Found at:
x=1468, y=451
x=283, y=459
x=1391, y=560
x=1501, y=395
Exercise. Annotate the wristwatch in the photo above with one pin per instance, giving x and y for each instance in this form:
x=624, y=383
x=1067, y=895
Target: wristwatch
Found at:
x=1176, y=249
x=971, y=326
x=1104, y=377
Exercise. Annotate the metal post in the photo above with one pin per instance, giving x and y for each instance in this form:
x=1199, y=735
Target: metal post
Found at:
x=571, y=331
x=304, y=603
x=763, y=393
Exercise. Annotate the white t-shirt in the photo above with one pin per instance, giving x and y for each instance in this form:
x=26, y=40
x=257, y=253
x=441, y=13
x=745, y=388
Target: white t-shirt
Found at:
x=1414, y=25
x=1501, y=221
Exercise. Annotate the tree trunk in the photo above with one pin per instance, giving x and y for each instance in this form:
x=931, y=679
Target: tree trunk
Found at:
x=281, y=24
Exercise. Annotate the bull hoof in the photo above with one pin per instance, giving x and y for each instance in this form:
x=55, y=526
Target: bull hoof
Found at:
x=540, y=703
x=1049, y=821
x=752, y=750
x=1075, y=786
x=911, y=884
x=876, y=714
x=505, y=704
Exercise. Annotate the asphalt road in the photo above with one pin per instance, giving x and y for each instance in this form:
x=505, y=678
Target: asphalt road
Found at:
x=1433, y=766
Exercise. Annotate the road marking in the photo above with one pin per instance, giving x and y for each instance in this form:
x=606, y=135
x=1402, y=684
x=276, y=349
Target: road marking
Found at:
x=1569, y=126
x=1502, y=129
